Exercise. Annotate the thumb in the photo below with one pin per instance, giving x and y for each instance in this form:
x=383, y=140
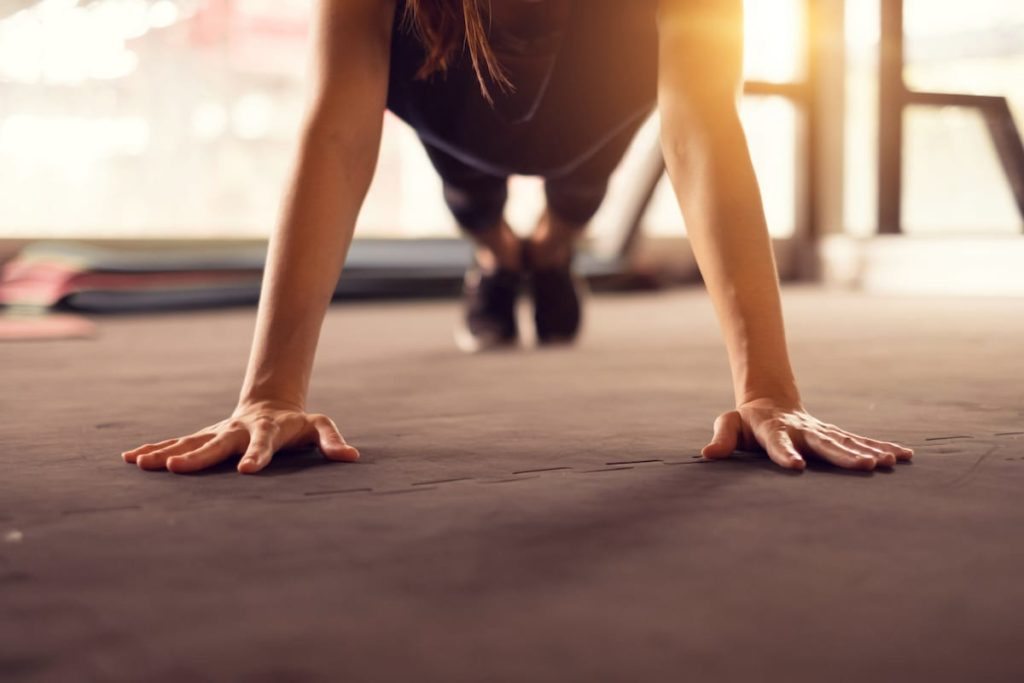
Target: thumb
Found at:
x=726, y=436
x=331, y=443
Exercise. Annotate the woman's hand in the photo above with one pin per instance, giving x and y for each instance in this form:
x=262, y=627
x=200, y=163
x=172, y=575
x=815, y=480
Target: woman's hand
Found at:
x=790, y=434
x=256, y=431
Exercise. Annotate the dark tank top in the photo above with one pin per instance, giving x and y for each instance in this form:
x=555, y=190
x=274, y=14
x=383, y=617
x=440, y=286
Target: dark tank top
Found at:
x=582, y=74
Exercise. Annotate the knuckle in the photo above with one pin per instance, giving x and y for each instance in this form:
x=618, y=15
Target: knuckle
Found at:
x=264, y=422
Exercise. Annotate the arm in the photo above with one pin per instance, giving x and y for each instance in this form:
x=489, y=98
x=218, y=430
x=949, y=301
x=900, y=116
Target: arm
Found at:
x=708, y=162
x=336, y=159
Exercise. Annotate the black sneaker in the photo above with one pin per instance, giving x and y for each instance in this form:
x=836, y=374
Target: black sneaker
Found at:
x=557, y=309
x=490, y=310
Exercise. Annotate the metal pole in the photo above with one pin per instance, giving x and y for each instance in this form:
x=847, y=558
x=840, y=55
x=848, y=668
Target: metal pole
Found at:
x=892, y=93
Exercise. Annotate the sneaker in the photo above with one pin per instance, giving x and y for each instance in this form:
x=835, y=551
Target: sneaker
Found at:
x=489, y=310
x=557, y=293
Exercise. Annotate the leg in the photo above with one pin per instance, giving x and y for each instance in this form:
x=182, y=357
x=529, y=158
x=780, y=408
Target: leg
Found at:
x=498, y=248
x=477, y=201
x=574, y=197
x=572, y=200
x=557, y=291
x=569, y=210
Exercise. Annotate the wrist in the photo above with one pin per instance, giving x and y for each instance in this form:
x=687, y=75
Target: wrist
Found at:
x=276, y=389
x=779, y=394
x=248, y=402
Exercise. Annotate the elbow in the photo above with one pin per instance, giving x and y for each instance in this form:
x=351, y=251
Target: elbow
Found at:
x=347, y=128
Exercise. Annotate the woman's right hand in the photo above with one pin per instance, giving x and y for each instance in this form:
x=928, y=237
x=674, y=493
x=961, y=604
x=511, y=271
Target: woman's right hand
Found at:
x=255, y=431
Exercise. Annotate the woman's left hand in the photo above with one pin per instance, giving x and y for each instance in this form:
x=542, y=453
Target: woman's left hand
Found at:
x=790, y=434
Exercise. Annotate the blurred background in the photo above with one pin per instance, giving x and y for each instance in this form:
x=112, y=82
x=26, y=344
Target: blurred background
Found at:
x=166, y=120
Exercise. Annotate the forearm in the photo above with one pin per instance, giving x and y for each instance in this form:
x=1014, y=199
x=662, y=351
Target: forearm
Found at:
x=711, y=171
x=304, y=260
x=337, y=155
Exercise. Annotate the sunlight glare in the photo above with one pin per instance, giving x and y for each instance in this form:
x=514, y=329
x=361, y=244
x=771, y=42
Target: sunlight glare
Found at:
x=773, y=38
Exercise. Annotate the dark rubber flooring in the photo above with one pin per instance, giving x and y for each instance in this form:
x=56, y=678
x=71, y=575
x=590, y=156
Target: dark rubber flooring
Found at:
x=525, y=516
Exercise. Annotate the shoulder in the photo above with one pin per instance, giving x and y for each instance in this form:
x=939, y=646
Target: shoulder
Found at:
x=695, y=14
x=352, y=44
x=701, y=47
x=356, y=17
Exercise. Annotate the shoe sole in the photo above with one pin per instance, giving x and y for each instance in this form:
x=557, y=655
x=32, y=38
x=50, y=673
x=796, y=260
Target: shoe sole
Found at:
x=467, y=342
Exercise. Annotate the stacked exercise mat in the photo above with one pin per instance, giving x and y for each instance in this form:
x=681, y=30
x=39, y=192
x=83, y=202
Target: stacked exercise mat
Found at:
x=47, y=282
x=87, y=277
x=145, y=276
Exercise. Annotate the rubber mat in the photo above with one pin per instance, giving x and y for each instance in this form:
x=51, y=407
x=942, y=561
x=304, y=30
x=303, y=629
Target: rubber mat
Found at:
x=527, y=516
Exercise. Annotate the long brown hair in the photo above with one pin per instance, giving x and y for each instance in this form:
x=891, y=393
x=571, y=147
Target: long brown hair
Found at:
x=446, y=26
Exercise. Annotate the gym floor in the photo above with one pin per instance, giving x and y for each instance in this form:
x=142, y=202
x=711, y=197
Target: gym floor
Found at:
x=536, y=515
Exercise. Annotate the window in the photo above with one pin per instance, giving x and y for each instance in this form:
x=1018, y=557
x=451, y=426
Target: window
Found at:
x=952, y=178
x=177, y=118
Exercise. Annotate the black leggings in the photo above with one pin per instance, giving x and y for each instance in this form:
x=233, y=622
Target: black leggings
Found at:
x=477, y=198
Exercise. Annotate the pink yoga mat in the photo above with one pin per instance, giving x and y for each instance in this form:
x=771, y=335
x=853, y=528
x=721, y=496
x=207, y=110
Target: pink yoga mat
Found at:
x=56, y=326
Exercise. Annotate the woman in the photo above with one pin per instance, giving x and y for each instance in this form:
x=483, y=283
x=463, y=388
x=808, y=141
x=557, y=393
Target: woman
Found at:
x=546, y=87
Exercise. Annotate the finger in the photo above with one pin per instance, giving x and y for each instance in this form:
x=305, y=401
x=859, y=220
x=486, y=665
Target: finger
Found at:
x=155, y=460
x=218, y=450
x=148, y=459
x=831, y=450
x=902, y=453
x=851, y=442
x=260, y=450
x=781, y=450
x=726, y=436
x=133, y=454
x=330, y=441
